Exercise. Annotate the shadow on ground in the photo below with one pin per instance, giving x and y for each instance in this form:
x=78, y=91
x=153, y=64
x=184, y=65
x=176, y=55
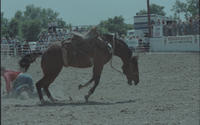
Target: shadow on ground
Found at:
x=76, y=103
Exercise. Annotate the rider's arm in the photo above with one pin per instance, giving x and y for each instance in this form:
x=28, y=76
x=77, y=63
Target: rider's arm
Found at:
x=9, y=77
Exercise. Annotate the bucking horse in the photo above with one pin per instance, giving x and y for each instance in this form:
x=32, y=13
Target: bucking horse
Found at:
x=83, y=51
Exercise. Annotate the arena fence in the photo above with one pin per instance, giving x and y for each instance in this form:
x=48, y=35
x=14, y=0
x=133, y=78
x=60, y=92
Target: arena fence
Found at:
x=162, y=44
x=13, y=50
x=17, y=50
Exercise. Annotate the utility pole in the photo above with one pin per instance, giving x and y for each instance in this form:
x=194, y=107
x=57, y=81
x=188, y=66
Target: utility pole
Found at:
x=149, y=19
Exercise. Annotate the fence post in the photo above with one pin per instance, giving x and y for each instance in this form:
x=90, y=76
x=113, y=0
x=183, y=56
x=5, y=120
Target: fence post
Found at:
x=15, y=51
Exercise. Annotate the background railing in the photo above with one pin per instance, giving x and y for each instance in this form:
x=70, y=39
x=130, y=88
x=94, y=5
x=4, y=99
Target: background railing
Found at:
x=17, y=50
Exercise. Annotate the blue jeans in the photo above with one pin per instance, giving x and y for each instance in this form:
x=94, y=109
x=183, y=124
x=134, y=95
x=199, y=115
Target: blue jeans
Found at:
x=21, y=80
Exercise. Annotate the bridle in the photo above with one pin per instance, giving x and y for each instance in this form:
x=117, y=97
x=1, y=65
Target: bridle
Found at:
x=112, y=54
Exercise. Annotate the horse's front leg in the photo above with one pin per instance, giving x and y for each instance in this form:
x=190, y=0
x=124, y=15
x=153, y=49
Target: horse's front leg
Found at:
x=86, y=84
x=91, y=91
x=96, y=75
x=38, y=87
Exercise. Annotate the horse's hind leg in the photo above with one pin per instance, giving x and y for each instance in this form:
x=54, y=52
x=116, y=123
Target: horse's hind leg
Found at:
x=51, y=64
x=49, y=94
x=44, y=83
x=38, y=87
x=46, y=86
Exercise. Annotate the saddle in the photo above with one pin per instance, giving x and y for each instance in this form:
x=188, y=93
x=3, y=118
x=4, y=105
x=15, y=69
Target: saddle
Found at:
x=89, y=40
x=74, y=57
x=80, y=49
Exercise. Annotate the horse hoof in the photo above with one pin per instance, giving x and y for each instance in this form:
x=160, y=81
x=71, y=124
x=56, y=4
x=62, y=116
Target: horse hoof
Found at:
x=54, y=100
x=70, y=99
x=80, y=87
x=43, y=102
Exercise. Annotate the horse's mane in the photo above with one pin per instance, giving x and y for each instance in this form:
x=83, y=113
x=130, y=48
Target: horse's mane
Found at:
x=129, y=50
x=119, y=41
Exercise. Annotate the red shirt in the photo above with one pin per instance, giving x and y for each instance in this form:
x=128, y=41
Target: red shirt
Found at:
x=9, y=77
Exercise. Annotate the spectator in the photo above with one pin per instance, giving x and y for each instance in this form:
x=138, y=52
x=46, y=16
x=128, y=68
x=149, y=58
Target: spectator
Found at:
x=64, y=32
x=54, y=36
x=26, y=48
x=4, y=40
x=54, y=26
x=45, y=36
x=165, y=30
x=169, y=29
x=158, y=22
x=186, y=30
x=195, y=26
x=49, y=37
x=179, y=25
x=183, y=28
x=59, y=34
x=190, y=25
x=174, y=28
x=49, y=27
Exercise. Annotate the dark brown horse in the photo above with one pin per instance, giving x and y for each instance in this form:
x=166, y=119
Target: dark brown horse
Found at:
x=82, y=51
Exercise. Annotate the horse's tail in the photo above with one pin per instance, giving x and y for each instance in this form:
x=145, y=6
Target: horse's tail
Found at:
x=26, y=60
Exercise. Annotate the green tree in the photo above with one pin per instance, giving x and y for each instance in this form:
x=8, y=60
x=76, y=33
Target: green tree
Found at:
x=188, y=8
x=31, y=29
x=4, y=25
x=32, y=12
x=114, y=25
x=154, y=9
x=43, y=15
x=19, y=15
x=29, y=23
x=13, y=28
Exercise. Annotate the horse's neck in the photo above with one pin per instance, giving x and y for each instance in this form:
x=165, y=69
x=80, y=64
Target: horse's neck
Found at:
x=121, y=52
x=122, y=57
x=120, y=49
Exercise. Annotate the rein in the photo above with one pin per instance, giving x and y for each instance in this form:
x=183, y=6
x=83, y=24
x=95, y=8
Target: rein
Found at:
x=64, y=56
x=112, y=54
x=113, y=49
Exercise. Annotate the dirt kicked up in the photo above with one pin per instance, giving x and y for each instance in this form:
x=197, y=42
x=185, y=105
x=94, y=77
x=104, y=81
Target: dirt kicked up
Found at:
x=168, y=94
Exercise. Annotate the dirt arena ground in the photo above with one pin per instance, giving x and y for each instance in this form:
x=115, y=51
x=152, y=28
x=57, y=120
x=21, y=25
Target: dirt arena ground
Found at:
x=168, y=94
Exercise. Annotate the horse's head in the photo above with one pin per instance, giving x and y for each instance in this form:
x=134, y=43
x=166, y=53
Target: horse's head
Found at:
x=130, y=69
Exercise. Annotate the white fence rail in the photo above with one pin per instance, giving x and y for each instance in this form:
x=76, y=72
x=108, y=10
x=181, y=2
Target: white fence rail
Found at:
x=189, y=43
x=15, y=50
